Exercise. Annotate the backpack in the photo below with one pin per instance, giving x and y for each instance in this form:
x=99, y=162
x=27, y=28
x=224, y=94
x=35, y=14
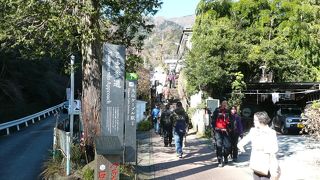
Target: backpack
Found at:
x=166, y=118
x=180, y=126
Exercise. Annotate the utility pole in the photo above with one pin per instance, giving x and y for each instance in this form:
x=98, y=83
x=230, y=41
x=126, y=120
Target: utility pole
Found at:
x=70, y=111
x=161, y=49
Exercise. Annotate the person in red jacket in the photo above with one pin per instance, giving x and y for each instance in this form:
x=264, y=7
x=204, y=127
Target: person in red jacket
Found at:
x=221, y=125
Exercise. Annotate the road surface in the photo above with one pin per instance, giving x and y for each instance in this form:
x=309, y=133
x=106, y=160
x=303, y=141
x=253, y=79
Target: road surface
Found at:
x=23, y=153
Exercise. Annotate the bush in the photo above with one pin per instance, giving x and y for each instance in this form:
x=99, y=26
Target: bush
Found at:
x=77, y=156
x=127, y=171
x=312, y=125
x=144, y=125
x=88, y=174
x=56, y=164
x=208, y=133
x=52, y=166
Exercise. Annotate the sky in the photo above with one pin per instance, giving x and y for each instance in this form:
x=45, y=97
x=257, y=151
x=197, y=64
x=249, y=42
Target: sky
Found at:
x=177, y=8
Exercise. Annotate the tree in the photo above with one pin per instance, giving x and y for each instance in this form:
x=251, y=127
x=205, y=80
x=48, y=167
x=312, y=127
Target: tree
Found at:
x=60, y=28
x=240, y=36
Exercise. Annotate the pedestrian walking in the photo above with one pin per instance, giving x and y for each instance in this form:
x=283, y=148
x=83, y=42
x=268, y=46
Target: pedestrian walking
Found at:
x=166, y=93
x=155, y=114
x=170, y=79
x=180, y=121
x=264, y=145
x=221, y=126
x=159, y=91
x=166, y=123
x=235, y=132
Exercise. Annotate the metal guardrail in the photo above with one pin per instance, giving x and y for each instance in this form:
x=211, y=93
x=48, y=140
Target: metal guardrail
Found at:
x=32, y=118
x=310, y=102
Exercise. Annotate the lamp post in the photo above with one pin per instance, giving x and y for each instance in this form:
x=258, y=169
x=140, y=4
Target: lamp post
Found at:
x=70, y=111
x=71, y=95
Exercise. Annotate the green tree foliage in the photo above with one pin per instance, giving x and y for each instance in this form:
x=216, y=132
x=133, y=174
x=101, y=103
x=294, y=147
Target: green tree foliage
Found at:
x=238, y=85
x=240, y=36
x=28, y=87
x=59, y=28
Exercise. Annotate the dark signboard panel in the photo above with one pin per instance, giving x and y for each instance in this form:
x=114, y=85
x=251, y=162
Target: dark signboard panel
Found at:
x=130, y=121
x=112, y=95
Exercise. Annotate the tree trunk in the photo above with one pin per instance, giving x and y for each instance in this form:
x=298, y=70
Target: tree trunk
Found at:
x=91, y=83
x=91, y=87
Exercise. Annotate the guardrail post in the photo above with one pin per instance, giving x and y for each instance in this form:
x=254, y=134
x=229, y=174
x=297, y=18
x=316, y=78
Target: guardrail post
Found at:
x=32, y=120
x=18, y=128
x=8, y=132
x=68, y=153
x=39, y=118
x=26, y=123
x=44, y=115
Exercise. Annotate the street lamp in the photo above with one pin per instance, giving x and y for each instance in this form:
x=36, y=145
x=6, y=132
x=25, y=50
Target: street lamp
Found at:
x=71, y=108
x=72, y=95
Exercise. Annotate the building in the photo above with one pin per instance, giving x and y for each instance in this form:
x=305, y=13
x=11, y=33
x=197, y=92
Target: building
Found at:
x=184, y=45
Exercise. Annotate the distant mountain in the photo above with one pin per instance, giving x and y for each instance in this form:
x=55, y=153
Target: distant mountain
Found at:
x=163, y=41
x=184, y=21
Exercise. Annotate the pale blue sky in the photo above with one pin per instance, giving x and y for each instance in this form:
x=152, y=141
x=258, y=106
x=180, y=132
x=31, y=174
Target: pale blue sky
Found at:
x=177, y=8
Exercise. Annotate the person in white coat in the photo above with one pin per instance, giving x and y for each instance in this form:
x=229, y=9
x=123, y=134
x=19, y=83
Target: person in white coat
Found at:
x=263, y=160
x=159, y=92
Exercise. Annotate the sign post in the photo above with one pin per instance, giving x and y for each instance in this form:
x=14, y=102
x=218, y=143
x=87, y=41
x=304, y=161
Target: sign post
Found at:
x=112, y=100
x=130, y=119
x=109, y=146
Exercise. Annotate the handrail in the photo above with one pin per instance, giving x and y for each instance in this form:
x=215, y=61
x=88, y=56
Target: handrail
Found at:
x=25, y=120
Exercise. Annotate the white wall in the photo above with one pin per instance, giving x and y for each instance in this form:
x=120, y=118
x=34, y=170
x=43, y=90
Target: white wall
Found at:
x=140, y=109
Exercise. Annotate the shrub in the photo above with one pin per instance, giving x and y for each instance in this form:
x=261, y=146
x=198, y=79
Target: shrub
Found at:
x=312, y=125
x=52, y=166
x=127, y=171
x=56, y=165
x=77, y=156
x=208, y=133
x=88, y=174
x=144, y=125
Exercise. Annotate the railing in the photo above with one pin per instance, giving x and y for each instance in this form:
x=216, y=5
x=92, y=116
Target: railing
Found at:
x=32, y=118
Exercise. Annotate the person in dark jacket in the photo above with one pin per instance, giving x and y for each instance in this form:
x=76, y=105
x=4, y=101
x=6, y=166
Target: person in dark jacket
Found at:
x=221, y=124
x=166, y=124
x=180, y=120
x=236, y=132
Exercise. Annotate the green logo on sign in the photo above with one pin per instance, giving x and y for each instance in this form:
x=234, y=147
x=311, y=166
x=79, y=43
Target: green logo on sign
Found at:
x=131, y=76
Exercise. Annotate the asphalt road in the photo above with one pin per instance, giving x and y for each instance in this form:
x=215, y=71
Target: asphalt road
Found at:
x=23, y=153
x=299, y=158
